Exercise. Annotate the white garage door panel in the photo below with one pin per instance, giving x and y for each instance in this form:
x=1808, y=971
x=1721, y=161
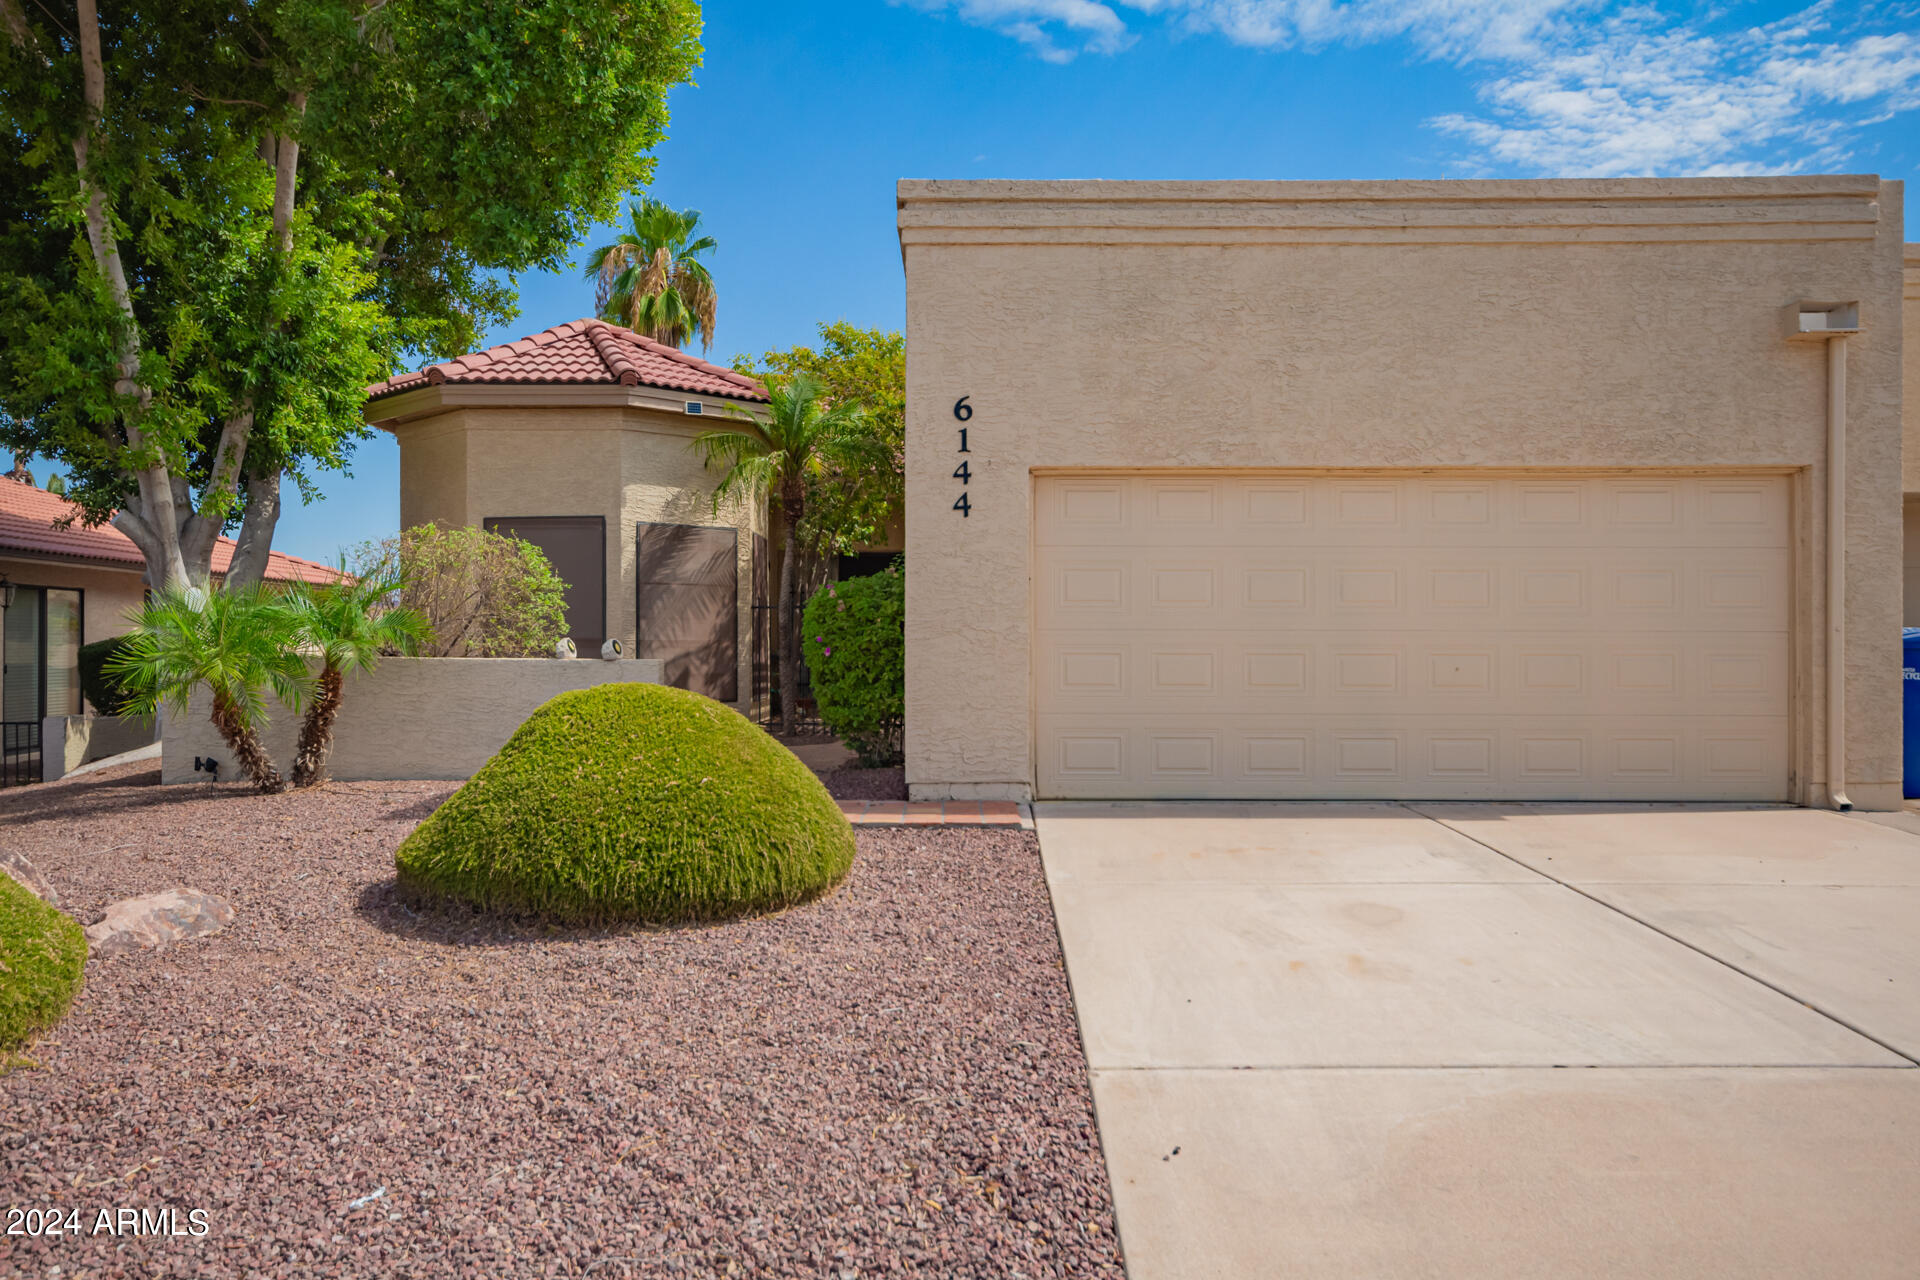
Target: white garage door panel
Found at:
x=1517, y=638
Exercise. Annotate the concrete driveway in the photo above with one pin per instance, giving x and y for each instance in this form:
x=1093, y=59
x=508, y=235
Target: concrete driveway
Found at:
x=1477, y=1041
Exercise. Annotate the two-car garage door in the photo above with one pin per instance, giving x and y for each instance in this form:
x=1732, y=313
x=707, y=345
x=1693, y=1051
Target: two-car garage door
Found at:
x=1391, y=635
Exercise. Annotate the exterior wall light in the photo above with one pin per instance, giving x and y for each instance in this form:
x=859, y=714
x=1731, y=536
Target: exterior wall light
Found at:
x=7, y=591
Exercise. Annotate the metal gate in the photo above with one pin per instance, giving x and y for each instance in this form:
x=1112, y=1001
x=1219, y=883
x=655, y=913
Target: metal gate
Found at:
x=19, y=752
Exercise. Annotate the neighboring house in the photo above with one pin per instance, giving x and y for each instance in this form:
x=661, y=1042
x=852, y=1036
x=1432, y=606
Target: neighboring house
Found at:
x=65, y=587
x=578, y=439
x=1404, y=490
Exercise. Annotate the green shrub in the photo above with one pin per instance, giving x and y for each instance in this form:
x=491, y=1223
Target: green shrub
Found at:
x=42, y=956
x=632, y=802
x=856, y=645
x=103, y=692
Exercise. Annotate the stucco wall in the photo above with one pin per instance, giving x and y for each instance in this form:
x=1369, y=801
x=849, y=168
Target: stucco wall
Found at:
x=1910, y=371
x=1562, y=324
x=67, y=742
x=625, y=464
x=409, y=717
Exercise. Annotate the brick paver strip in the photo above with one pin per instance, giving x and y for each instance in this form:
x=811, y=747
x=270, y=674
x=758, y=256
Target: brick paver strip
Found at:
x=933, y=813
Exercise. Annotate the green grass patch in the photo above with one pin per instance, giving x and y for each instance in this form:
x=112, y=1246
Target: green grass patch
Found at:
x=43, y=954
x=632, y=802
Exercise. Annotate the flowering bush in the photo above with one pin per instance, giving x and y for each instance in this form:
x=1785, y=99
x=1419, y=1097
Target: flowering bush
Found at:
x=855, y=641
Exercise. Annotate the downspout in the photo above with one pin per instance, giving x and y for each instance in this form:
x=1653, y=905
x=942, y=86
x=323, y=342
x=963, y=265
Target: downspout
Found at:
x=1837, y=572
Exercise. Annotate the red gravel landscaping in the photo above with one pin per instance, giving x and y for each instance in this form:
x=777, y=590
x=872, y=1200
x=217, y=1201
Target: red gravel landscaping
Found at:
x=855, y=783
x=887, y=1081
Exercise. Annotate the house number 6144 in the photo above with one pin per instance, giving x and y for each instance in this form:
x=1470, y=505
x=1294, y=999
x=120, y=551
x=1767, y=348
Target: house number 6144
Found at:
x=963, y=473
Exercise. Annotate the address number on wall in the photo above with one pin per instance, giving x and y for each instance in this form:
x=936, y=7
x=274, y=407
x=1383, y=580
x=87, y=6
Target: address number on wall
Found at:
x=964, y=472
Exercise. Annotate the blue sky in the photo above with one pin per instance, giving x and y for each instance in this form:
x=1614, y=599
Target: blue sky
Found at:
x=806, y=114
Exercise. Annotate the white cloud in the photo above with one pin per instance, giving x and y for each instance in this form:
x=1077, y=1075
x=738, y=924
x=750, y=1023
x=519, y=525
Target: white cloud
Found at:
x=1567, y=86
x=1634, y=94
x=1055, y=30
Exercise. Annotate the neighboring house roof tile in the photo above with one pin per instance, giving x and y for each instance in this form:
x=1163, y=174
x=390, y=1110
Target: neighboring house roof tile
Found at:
x=581, y=352
x=28, y=516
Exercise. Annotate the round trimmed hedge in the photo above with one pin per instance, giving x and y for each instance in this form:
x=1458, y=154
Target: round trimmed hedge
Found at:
x=43, y=955
x=633, y=802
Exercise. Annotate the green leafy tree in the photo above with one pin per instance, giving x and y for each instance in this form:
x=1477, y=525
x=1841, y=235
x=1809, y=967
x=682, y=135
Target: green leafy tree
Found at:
x=348, y=625
x=651, y=279
x=219, y=219
x=482, y=594
x=856, y=647
x=800, y=436
x=847, y=509
x=238, y=642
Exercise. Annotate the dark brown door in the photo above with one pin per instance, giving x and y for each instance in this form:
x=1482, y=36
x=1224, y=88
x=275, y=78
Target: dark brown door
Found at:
x=689, y=605
x=576, y=547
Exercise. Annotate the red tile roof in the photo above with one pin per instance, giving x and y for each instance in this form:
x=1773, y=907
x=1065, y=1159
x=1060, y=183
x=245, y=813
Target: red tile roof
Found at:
x=28, y=515
x=582, y=352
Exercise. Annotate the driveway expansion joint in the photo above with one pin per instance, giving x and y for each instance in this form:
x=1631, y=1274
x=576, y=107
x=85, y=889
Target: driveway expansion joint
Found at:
x=1774, y=987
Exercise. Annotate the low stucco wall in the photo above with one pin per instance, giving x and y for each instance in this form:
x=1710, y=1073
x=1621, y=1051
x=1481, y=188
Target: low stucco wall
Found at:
x=409, y=717
x=67, y=742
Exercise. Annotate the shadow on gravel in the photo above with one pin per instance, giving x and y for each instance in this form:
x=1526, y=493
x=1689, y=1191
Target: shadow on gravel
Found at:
x=419, y=811
x=387, y=908
x=101, y=797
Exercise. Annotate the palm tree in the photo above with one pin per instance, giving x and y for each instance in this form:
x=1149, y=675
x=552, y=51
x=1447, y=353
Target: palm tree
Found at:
x=348, y=625
x=652, y=280
x=237, y=642
x=802, y=435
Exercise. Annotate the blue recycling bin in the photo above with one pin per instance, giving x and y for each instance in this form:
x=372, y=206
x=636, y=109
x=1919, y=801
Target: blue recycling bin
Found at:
x=1910, y=707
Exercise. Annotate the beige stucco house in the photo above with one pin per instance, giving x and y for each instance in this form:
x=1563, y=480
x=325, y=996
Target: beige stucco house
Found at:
x=578, y=439
x=1432, y=490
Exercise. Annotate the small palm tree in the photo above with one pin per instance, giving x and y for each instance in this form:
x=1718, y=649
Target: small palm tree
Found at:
x=802, y=435
x=652, y=280
x=238, y=642
x=348, y=625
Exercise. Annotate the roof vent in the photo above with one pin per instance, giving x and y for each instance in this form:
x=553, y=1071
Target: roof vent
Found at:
x=694, y=406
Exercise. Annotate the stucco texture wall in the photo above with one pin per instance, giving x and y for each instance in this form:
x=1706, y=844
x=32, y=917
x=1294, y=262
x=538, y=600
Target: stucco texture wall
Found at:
x=407, y=718
x=625, y=464
x=1910, y=371
x=1562, y=324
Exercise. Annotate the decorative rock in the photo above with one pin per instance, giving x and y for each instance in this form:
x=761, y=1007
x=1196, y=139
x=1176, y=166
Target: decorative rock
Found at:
x=17, y=866
x=156, y=919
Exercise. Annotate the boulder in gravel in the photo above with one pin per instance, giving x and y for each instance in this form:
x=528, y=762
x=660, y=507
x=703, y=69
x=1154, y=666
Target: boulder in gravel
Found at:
x=155, y=920
x=17, y=866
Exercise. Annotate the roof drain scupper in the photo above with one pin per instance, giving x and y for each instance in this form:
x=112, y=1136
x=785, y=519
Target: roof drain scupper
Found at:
x=1833, y=323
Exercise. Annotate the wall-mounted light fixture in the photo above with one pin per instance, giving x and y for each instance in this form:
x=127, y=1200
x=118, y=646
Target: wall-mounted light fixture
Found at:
x=7, y=591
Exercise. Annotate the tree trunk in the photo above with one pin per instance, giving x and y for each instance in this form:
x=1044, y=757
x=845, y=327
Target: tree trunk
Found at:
x=316, y=731
x=156, y=518
x=256, y=531
x=789, y=625
x=248, y=753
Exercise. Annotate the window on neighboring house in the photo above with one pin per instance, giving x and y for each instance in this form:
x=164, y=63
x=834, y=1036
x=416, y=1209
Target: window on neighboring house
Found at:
x=688, y=591
x=42, y=655
x=576, y=546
